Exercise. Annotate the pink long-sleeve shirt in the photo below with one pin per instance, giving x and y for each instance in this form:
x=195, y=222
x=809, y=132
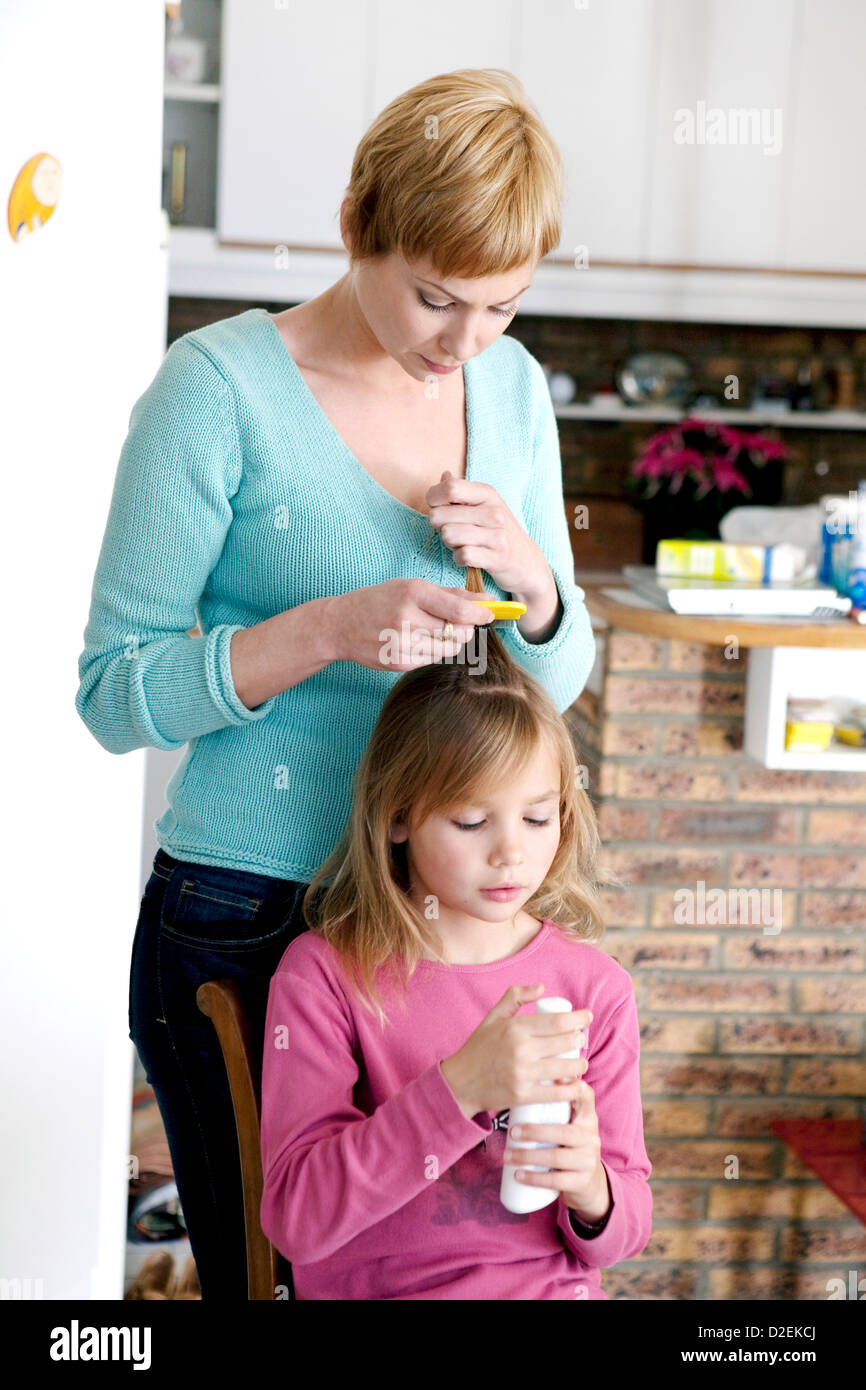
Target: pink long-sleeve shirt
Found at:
x=377, y=1186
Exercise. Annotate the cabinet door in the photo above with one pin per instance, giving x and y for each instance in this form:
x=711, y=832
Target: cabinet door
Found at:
x=590, y=72
x=302, y=83
x=825, y=226
x=415, y=39
x=293, y=108
x=713, y=202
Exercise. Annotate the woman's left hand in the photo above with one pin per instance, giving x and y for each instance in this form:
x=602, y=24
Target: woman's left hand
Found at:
x=578, y=1172
x=480, y=530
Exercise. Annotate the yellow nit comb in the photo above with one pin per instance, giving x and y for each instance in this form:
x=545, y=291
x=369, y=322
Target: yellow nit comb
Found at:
x=502, y=607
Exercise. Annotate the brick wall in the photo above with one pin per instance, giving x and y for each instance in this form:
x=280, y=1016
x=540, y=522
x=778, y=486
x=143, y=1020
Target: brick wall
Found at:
x=739, y=1025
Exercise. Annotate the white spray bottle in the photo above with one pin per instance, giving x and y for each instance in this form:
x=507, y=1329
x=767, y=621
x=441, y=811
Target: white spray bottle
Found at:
x=525, y=1197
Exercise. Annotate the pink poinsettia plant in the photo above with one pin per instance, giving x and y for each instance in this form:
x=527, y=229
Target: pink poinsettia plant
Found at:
x=706, y=452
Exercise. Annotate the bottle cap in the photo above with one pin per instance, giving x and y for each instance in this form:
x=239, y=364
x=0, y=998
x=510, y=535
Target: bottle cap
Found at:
x=502, y=607
x=553, y=1004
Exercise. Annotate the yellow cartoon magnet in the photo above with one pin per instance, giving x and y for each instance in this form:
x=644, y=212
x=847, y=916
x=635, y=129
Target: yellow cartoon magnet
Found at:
x=34, y=195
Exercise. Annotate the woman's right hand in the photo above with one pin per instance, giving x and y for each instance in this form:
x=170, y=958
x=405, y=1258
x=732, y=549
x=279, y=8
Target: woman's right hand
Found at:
x=503, y=1063
x=362, y=616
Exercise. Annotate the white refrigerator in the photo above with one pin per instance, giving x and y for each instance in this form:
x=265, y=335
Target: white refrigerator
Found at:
x=83, y=299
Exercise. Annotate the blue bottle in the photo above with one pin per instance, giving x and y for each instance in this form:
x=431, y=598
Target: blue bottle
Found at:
x=856, y=583
x=833, y=539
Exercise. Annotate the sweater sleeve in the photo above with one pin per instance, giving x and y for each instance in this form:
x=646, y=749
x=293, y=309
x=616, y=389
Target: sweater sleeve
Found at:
x=330, y=1171
x=562, y=663
x=614, y=1075
x=143, y=680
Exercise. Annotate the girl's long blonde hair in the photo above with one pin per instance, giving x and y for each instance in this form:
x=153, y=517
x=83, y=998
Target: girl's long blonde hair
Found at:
x=447, y=733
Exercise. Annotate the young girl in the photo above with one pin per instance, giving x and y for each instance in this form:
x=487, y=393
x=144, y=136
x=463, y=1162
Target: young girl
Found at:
x=401, y=1027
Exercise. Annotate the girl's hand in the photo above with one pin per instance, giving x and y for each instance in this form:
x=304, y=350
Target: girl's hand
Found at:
x=578, y=1172
x=508, y=1060
x=480, y=530
x=397, y=625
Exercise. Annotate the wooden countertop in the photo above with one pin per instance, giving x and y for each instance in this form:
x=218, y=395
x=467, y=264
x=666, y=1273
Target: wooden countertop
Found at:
x=750, y=632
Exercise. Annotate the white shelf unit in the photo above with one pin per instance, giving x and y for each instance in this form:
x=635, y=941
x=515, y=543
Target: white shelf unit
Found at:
x=777, y=673
x=617, y=410
x=192, y=91
x=191, y=119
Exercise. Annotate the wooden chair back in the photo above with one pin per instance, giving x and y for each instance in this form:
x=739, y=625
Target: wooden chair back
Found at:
x=223, y=1003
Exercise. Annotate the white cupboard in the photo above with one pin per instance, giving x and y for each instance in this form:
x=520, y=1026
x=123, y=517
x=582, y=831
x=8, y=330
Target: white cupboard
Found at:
x=824, y=221
x=590, y=73
x=721, y=141
x=709, y=146
x=294, y=101
x=302, y=82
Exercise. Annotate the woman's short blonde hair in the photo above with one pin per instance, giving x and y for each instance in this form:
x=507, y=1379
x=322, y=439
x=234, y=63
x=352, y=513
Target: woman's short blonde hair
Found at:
x=461, y=169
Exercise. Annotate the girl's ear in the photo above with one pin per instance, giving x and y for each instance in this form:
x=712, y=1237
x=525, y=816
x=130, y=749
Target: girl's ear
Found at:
x=398, y=832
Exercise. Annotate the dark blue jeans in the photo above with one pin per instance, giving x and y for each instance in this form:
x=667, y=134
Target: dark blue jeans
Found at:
x=198, y=922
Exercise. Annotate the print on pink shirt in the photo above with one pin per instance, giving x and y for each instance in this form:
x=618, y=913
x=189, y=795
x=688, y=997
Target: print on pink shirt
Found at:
x=469, y=1190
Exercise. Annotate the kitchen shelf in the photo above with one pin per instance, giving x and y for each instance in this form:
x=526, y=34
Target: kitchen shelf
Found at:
x=777, y=674
x=785, y=419
x=191, y=116
x=836, y=758
x=192, y=91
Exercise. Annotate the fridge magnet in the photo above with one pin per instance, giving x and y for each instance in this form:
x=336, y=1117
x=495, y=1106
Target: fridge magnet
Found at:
x=34, y=195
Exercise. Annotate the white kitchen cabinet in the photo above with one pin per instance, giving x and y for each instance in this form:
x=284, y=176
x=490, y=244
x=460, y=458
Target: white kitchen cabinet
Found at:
x=302, y=83
x=801, y=205
x=670, y=230
x=721, y=204
x=825, y=213
x=591, y=74
x=414, y=40
x=295, y=100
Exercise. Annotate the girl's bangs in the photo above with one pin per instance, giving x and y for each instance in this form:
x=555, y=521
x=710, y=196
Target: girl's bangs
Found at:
x=480, y=771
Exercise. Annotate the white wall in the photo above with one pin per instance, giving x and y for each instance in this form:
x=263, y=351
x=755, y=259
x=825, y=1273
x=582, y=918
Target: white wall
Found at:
x=84, y=303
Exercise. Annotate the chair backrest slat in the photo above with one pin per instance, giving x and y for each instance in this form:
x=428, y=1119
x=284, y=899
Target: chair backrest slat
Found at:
x=222, y=1002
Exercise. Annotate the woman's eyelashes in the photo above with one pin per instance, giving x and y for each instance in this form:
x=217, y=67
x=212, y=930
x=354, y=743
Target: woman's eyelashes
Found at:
x=473, y=825
x=443, y=308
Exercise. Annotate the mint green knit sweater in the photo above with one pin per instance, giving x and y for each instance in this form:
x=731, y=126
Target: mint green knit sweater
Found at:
x=235, y=499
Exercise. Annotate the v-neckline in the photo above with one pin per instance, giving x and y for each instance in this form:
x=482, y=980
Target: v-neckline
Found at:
x=334, y=435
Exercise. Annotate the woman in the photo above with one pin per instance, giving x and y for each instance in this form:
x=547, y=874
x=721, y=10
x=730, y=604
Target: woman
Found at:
x=311, y=487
